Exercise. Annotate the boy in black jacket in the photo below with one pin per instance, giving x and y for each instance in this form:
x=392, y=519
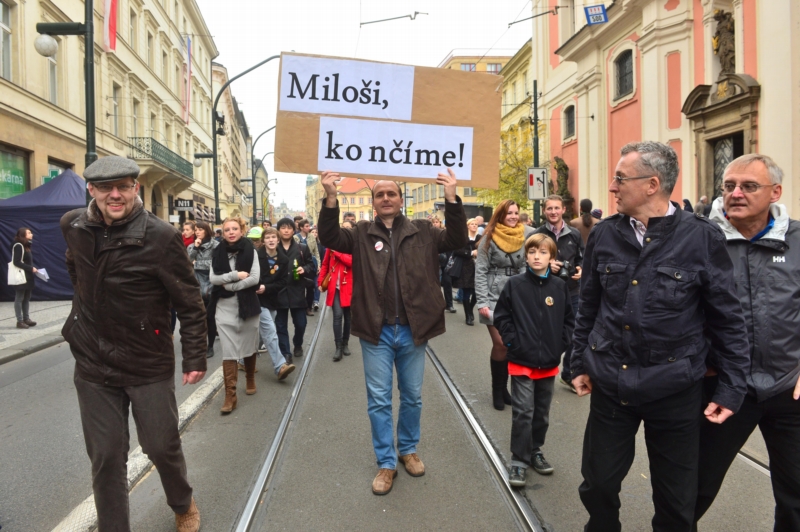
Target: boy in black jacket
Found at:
x=534, y=317
x=273, y=279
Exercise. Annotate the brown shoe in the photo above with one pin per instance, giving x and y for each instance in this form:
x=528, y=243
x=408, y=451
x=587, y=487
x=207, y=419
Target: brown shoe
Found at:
x=250, y=374
x=22, y=325
x=414, y=465
x=29, y=322
x=230, y=375
x=284, y=371
x=383, y=482
x=190, y=521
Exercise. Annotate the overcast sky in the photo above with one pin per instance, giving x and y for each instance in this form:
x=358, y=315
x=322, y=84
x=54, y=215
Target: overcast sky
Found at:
x=248, y=31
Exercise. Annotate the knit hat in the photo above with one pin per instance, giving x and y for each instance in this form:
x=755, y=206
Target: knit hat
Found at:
x=597, y=213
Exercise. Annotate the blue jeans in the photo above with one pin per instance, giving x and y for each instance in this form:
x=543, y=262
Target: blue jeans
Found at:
x=282, y=324
x=269, y=337
x=395, y=349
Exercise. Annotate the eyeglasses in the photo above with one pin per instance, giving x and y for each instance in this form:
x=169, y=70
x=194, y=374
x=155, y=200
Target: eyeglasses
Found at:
x=108, y=188
x=619, y=179
x=746, y=188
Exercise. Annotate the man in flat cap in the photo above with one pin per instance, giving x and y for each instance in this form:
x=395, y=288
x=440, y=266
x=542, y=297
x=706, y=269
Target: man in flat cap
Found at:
x=127, y=266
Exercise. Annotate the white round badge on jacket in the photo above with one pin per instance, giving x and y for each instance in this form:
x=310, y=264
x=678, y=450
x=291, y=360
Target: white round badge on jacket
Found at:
x=378, y=245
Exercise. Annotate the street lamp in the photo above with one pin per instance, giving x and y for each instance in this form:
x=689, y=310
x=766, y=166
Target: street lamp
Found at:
x=47, y=46
x=216, y=118
x=266, y=185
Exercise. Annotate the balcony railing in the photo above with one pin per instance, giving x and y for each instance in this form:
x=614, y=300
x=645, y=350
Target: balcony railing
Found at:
x=150, y=148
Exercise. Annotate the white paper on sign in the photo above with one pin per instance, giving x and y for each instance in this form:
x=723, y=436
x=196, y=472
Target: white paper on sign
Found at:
x=344, y=87
x=393, y=148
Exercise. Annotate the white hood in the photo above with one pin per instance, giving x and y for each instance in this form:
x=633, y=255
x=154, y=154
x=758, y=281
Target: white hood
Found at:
x=778, y=231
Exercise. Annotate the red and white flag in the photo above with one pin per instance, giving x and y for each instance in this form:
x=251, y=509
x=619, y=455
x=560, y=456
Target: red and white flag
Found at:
x=187, y=75
x=110, y=26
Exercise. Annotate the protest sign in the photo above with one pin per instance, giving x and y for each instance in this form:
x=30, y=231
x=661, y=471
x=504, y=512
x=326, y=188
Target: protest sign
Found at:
x=379, y=120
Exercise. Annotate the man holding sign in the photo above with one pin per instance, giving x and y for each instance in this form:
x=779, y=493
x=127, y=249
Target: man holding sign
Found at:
x=397, y=306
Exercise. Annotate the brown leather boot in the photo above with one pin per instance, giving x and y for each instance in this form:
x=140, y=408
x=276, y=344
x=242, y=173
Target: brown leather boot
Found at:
x=250, y=374
x=383, y=481
x=190, y=521
x=230, y=375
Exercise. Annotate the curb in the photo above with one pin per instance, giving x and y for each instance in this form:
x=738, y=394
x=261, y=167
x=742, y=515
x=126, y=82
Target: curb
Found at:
x=12, y=353
x=84, y=517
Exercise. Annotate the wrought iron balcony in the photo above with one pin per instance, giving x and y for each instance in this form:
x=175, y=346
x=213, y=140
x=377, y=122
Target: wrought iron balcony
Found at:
x=150, y=148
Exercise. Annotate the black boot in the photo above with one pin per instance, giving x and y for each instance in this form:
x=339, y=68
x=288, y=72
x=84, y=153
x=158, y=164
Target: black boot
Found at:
x=469, y=314
x=345, y=349
x=497, y=384
x=338, y=355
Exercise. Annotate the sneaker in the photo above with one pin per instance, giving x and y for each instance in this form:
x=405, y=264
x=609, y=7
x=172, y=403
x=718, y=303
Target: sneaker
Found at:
x=540, y=465
x=516, y=476
x=451, y=310
x=567, y=384
x=298, y=351
x=316, y=305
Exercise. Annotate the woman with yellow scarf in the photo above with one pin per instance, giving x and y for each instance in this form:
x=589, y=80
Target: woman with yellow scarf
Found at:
x=500, y=255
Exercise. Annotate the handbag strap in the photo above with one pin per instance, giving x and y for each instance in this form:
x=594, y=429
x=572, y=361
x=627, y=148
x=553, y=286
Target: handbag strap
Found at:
x=23, y=251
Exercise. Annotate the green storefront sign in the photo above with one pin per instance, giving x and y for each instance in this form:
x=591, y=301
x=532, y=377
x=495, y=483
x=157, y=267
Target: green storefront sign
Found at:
x=12, y=175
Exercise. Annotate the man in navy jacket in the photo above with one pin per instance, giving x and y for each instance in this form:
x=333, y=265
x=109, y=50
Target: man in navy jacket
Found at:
x=657, y=288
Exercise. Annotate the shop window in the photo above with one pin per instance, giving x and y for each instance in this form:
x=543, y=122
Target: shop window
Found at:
x=13, y=172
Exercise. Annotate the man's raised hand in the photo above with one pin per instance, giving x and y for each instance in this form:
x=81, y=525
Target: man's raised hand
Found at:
x=330, y=180
x=448, y=181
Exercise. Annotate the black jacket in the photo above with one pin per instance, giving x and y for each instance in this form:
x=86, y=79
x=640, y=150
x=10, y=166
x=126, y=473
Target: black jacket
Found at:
x=293, y=295
x=643, y=311
x=22, y=258
x=570, y=248
x=534, y=317
x=273, y=278
x=768, y=285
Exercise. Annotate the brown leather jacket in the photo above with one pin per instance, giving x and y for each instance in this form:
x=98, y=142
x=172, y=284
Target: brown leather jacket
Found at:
x=418, y=246
x=119, y=327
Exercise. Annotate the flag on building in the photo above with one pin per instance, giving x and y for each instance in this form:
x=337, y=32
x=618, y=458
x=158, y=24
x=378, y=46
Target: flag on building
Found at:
x=187, y=76
x=110, y=26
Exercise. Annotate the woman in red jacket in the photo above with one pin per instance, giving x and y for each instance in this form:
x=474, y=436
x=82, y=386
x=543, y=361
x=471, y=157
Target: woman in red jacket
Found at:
x=340, y=291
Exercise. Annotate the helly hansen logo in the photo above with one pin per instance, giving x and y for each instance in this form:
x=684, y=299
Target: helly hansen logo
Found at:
x=778, y=259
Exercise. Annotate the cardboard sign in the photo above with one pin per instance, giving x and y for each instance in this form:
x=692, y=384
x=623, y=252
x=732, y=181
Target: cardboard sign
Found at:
x=379, y=120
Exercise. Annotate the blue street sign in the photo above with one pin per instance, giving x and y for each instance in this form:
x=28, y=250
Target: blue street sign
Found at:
x=596, y=15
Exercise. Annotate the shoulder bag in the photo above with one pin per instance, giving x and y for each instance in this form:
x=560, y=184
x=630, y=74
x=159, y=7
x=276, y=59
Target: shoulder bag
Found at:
x=16, y=276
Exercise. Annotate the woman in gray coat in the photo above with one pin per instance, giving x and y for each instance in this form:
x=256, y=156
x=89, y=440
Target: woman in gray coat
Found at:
x=500, y=256
x=200, y=253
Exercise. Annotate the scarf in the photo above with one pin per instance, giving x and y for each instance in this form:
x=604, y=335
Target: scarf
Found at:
x=249, y=305
x=509, y=239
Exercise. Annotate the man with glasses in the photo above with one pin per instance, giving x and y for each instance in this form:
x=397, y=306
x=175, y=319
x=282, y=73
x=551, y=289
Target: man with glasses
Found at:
x=657, y=289
x=126, y=266
x=764, y=245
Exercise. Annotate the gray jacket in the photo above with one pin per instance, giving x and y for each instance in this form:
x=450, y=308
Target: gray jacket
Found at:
x=493, y=268
x=768, y=285
x=202, y=256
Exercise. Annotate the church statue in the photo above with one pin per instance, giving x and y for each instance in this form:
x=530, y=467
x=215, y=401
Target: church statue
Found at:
x=724, y=42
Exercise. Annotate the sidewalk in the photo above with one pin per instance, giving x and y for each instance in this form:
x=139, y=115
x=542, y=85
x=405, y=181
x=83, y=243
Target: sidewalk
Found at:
x=49, y=317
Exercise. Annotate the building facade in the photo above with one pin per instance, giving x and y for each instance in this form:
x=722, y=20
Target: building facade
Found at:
x=146, y=105
x=714, y=79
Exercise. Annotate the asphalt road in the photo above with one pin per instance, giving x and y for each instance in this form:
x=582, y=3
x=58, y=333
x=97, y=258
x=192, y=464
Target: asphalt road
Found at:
x=323, y=479
x=744, y=503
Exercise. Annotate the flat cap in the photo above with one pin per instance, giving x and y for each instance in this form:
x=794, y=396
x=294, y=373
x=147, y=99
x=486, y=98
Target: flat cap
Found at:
x=111, y=168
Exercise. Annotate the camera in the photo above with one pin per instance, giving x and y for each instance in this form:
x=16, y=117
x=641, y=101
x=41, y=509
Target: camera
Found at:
x=567, y=270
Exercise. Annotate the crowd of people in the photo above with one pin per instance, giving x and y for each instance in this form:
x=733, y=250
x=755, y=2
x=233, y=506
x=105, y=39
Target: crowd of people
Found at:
x=683, y=321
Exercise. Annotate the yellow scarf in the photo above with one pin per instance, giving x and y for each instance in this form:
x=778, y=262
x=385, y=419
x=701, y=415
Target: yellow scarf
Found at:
x=509, y=239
